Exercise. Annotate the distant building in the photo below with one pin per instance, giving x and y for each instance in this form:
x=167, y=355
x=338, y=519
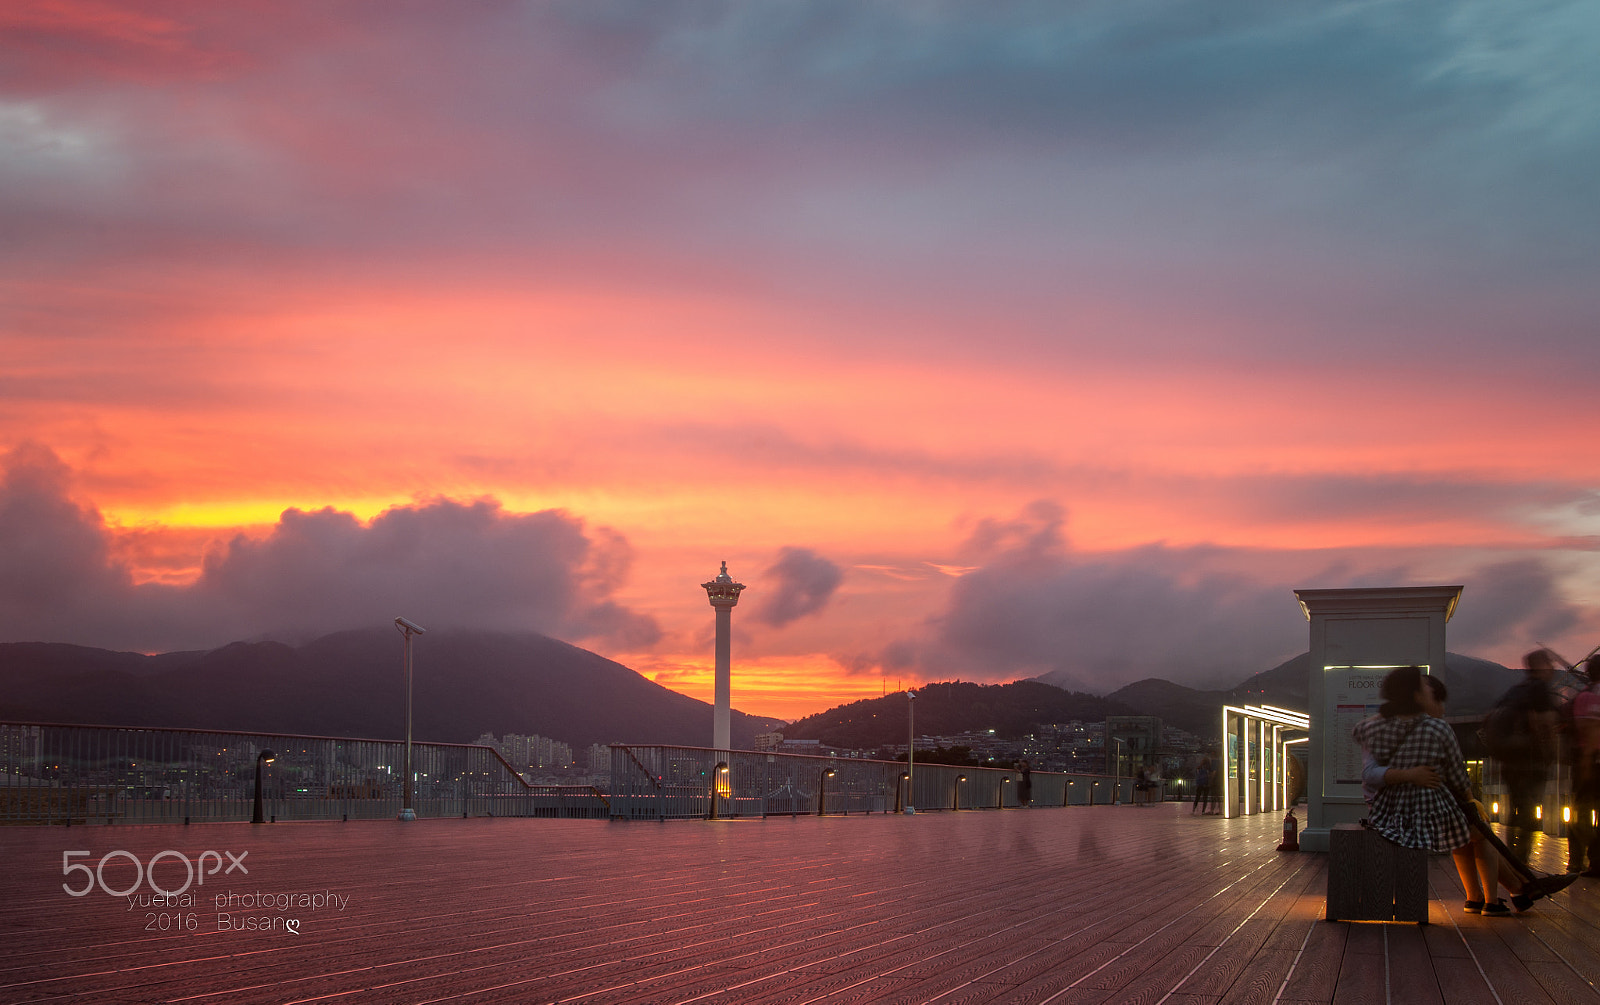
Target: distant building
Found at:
x=767, y=741
x=1132, y=742
x=535, y=751
x=20, y=748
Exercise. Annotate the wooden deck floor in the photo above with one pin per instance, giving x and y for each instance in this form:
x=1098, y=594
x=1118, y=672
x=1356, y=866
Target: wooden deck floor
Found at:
x=1086, y=904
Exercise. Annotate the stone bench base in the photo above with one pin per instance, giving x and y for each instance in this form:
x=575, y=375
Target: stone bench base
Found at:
x=1373, y=879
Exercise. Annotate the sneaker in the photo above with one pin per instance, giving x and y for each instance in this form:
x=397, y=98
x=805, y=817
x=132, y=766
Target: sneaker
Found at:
x=1498, y=908
x=1472, y=907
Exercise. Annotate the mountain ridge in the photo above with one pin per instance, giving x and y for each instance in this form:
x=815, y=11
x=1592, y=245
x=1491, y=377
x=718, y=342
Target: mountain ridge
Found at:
x=350, y=684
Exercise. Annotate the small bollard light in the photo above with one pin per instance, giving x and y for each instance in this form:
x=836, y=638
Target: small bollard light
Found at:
x=822, y=789
x=1566, y=814
x=956, y=803
x=719, y=786
x=1000, y=798
x=265, y=757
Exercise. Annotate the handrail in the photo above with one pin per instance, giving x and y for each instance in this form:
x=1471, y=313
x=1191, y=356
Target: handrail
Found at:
x=225, y=732
x=69, y=773
x=767, y=783
x=647, y=773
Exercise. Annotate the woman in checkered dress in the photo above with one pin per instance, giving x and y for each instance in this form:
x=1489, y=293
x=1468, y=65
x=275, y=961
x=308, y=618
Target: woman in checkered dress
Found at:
x=1407, y=734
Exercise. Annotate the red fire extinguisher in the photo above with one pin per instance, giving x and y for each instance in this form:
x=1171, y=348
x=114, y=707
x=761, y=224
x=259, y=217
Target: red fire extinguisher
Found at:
x=1291, y=833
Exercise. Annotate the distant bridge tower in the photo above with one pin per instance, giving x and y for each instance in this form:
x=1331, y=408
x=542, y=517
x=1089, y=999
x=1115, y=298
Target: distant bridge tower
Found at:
x=723, y=593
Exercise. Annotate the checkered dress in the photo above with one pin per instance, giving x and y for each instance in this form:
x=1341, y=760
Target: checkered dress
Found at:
x=1410, y=815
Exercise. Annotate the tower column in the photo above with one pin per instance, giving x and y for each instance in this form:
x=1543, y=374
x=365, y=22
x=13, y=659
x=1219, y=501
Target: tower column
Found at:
x=723, y=593
x=721, y=722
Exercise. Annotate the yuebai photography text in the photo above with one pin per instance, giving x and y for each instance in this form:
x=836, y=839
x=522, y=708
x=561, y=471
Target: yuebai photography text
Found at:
x=186, y=907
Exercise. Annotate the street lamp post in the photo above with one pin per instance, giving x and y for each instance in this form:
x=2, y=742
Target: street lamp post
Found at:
x=911, y=745
x=265, y=757
x=408, y=628
x=1118, y=755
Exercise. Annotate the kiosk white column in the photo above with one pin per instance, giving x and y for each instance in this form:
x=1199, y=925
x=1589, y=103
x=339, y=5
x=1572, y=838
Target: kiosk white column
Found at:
x=1357, y=637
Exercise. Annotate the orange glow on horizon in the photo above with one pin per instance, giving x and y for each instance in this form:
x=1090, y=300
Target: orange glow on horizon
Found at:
x=780, y=687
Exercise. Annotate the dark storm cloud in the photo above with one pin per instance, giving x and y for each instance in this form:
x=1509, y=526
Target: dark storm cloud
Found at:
x=1517, y=603
x=53, y=553
x=543, y=125
x=1033, y=606
x=799, y=583
x=464, y=564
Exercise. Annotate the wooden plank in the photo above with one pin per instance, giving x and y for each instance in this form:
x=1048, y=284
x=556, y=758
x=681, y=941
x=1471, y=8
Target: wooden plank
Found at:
x=1316, y=974
x=1047, y=905
x=1361, y=979
x=1411, y=973
x=1258, y=983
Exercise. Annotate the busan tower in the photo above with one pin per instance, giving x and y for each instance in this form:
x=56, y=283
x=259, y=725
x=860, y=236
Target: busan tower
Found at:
x=723, y=593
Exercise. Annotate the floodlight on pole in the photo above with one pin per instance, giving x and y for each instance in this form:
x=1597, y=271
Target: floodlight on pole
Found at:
x=408, y=628
x=265, y=757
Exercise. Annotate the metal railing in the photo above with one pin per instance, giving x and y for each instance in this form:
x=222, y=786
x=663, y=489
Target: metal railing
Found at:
x=678, y=783
x=65, y=774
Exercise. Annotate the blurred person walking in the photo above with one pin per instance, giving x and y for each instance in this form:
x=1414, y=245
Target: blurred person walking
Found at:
x=1202, y=785
x=1583, y=836
x=1521, y=734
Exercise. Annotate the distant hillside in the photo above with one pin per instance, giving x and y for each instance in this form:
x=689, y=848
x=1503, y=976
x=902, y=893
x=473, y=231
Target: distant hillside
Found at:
x=350, y=684
x=1014, y=709
x=945, y=709
x=1199, y=712
x=1474, y=685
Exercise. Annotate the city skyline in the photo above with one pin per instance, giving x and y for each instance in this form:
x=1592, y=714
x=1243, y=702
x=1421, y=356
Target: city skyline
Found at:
x=980, y=343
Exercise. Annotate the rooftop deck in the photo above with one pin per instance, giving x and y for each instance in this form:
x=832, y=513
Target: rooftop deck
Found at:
x=1083, y=904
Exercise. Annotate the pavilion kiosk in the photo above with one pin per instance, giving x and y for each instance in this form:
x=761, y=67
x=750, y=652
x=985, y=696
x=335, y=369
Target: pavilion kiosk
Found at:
x=1357, y=637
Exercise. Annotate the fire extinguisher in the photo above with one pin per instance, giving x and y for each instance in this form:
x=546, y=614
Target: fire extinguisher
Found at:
x=1291, y=833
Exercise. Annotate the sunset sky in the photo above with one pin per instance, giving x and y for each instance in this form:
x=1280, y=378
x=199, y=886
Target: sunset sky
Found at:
x=980, y=340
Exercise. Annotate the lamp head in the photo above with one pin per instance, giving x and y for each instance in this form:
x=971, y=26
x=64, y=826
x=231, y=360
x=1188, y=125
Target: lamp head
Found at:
x=267, y=756
x=409, y=627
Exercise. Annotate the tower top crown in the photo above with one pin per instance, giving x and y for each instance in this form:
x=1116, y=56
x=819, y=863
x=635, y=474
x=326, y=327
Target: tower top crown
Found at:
x=723, y=591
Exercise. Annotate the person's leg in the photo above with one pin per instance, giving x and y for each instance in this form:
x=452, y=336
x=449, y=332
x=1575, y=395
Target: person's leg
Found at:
x=1467, y=868
x=1581, y=833
x=1487, y=864
x=1507, y=876
x=1578, y=831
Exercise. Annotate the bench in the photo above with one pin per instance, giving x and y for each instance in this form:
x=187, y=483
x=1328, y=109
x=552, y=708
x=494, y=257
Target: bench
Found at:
x=1373, y=879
